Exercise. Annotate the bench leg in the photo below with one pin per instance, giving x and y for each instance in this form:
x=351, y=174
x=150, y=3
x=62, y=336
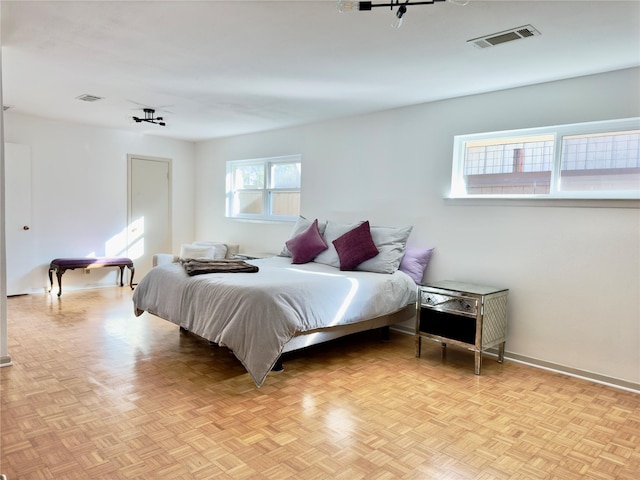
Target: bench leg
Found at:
x=133, y=271
x=51, y=278
x=121, y=274
x=59, y=273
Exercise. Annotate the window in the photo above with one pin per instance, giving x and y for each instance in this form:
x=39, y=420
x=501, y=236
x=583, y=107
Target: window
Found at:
x=585, y=160
x=264, y=188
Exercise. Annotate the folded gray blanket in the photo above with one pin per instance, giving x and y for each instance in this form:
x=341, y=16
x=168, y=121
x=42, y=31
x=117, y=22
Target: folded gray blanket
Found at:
x=224, y=265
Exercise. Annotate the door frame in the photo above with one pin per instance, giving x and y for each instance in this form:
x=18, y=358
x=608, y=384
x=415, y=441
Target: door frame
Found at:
x=130, y=159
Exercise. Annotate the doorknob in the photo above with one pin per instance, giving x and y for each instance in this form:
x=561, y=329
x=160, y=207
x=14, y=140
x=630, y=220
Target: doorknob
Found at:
x=26, y=227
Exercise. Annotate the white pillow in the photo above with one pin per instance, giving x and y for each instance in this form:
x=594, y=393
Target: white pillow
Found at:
x=220, y=249
x=190, y=251
x=391, y=243
x=301, y=225
x=332, y=231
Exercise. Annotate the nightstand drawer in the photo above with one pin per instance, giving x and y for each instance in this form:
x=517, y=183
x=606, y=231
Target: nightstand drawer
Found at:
x=447, y=303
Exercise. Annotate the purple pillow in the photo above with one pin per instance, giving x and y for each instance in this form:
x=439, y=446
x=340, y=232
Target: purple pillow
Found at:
x=307, y=244
x=415, y=262
x=355, y=246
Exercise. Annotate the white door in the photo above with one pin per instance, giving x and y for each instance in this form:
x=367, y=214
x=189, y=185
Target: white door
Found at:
x=19, y=237
x=149, y=211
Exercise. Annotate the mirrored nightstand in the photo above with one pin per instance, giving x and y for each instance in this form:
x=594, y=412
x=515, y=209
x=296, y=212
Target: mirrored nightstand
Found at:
x=462, y=314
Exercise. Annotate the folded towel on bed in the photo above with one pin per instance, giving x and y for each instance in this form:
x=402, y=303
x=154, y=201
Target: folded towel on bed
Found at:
x=223, y=265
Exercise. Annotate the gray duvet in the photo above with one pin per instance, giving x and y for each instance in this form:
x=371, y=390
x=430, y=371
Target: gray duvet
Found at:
x=256, y=314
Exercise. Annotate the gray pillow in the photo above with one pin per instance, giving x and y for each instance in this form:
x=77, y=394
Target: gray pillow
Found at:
x=391, y=243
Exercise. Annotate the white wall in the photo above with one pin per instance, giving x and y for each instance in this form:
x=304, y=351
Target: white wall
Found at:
x=79, y=190
x=573, y=272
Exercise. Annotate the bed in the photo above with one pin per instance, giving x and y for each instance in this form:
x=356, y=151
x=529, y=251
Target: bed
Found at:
x=280, y=308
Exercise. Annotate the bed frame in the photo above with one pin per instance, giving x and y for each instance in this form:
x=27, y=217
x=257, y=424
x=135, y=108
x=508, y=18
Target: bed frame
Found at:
x=321, y=335
x=314, y=337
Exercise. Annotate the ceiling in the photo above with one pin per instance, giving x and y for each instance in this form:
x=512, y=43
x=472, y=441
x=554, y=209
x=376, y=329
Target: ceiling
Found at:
x=221, y=68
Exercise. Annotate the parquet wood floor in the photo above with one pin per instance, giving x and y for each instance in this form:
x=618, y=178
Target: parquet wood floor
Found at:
x=96, y=393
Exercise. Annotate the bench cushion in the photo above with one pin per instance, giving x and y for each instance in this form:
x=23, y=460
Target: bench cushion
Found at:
x=86, y=262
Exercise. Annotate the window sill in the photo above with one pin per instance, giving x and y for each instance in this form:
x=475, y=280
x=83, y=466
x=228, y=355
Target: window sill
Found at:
x=544, y=202
x=277, y=221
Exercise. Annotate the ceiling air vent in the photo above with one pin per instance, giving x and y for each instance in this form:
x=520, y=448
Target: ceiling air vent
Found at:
x=89, y=98
x=504, y=37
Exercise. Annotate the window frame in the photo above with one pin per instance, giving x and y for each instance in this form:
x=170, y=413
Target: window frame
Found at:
x=266, y=190
x=459, y=188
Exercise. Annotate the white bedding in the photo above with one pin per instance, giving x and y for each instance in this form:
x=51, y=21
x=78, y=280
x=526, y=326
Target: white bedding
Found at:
x=256, y=314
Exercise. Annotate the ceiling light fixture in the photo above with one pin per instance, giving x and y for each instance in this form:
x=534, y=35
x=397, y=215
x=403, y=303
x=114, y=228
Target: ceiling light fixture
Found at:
x=397, y=22
x=351, y=6
x=148, y=117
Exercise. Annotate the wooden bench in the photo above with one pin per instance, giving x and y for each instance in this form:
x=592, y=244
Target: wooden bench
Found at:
x=61, y=265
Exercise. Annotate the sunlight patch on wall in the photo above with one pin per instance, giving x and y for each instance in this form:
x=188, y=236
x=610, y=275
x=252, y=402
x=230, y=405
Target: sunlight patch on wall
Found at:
x=127, y=243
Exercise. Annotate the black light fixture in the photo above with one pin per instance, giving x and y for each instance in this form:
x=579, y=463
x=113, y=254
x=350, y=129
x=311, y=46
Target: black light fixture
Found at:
x=397, y=23
x=149, y=117
x=351, y=6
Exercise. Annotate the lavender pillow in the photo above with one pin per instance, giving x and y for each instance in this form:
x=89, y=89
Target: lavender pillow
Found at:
x=355, y=246
x=415, y=261
x=306, y=245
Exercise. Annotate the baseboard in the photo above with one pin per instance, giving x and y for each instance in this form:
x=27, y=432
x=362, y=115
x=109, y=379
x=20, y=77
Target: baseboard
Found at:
x=75, y=288
x=572, y=372
x=554, y=367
